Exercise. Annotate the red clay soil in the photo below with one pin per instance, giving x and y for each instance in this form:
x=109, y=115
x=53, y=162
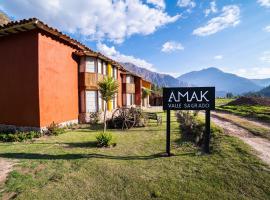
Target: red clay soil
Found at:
x=250, y=101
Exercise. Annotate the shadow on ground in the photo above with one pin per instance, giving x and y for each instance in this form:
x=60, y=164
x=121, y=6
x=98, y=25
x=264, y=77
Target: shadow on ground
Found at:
x=37, y=156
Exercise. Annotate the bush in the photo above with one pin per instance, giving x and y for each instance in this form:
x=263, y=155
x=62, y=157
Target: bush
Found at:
x=191, y=128
x=19, y=136
x=95, y=117
x=55, y=129
x=105, y=140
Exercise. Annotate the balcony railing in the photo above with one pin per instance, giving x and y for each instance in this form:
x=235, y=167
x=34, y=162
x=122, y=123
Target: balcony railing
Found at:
x=90, y=80
x=130, y=88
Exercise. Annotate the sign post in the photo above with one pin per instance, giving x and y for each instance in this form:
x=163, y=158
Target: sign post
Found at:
x=189, y=98
x=168, y=133
x=207, y=132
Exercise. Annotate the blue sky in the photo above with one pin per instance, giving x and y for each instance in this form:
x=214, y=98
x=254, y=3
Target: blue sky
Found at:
x=173, y=36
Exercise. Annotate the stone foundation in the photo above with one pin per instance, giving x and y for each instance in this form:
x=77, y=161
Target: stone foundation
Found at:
x=88, y=117
x=13, y=128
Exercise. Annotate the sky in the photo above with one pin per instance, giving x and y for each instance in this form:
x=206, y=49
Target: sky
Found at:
x=165, y=36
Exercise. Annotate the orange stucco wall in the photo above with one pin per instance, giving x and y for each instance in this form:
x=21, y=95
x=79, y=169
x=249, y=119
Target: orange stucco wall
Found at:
x=19, y=79
x=146, y=84
x=58, y=81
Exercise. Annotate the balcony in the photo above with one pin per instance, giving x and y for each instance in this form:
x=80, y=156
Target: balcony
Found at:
x=89, y=80
x=130, y=88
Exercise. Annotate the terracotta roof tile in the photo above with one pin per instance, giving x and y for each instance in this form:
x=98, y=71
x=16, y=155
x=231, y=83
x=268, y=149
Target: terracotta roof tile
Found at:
x=36, y=23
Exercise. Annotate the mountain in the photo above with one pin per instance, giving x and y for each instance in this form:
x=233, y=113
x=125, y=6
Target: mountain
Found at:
x=262, y=82
x=224, y=82
x=3, y=19
x=154, y=77
x=265, y=92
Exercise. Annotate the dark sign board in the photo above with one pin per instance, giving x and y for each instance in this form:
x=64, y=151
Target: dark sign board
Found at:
x=189, y=98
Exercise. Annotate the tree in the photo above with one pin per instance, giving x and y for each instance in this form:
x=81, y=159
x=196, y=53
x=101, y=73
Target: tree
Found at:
x=108, y=87
x=229, y=95
x=145, y=92
x=156, y=89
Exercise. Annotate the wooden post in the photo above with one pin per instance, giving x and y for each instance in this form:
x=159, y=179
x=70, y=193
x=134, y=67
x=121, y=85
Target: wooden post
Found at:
x=168, y=133
x=207, y=132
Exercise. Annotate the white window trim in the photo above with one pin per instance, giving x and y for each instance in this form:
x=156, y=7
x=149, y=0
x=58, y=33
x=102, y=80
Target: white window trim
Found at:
x=89, y=106
x=91, y=68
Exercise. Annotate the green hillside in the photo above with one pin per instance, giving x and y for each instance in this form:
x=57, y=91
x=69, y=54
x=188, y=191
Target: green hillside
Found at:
x=265, y=92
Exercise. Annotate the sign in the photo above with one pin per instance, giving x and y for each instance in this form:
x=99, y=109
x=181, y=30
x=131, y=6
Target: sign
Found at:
x=189, y=98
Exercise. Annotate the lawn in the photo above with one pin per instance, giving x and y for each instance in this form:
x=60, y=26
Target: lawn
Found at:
x=223, y=101
x=69, y=166
x=261, y=113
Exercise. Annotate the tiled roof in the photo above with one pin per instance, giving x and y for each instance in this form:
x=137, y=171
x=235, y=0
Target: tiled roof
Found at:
x=33, y=23
x=99, y=55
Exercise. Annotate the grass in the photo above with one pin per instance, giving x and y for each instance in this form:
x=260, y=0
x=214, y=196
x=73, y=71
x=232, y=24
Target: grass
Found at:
x=223, y=101
x=253, y=127
x=261, y=113
x=69, y=166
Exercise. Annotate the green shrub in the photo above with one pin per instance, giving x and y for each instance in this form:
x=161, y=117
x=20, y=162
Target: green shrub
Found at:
x=95, y=117
x=104, y=140
x=191, y=128
x=55, y=129
x=19, y=136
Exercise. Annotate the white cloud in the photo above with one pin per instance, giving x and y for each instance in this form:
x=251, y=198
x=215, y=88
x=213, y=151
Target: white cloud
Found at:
x=265, y=3
x=94, y=19
x=171, y=46
x=116, y=55
x=186, y=3
x=255, y=72
x=267, y=29
x=218, y=57
x=229, y=17
x=265, y=57
x=157, y=3
x=212, y=9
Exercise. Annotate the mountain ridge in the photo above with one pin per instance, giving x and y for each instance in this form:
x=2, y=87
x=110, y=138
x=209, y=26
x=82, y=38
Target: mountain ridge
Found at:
x=262, y=82
x=223, y=81
x=162, y=80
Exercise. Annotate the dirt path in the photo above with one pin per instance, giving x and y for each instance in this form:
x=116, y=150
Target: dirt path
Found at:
x=243, y=119
x=260, y=145
x=5, y=168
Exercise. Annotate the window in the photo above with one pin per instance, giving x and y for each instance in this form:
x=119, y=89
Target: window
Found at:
x=130, y=99
x=99, y=64
x=91, y=101
x=100, y=102
x=104, y=68
x=114, y=101
x=115, y=72
x=90, y=64
x=130, y=79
